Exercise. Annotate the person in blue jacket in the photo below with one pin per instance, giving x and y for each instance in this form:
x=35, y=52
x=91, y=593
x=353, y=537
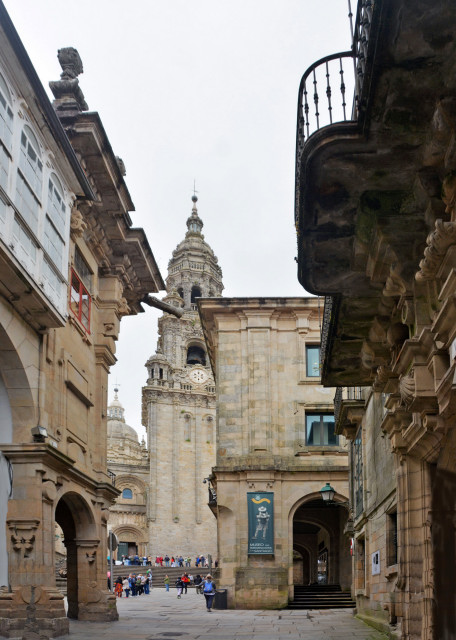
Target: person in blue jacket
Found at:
x=208, y=588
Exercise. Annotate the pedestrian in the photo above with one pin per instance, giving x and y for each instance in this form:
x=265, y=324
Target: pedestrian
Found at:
x=197, y=582
x=167, y=560
x=166, y=581
x=209, y=588
x=179, y=587
x=126, y=587
x=132, y=580
x=185, y=580
x=146, y=585
x=118, y=587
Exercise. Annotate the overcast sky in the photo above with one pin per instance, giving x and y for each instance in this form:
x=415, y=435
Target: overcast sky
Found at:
x=201, y=90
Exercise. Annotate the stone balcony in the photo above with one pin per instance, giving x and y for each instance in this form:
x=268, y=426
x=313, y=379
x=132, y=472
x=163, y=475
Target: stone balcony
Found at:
x=369, y=183
x=349, y=403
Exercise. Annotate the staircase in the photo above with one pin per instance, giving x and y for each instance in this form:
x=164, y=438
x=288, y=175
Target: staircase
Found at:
x=321, y=596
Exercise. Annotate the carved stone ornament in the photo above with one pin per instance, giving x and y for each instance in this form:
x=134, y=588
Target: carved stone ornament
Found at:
x=395, y=285
x=438, y=243
x=67, y=89
x=77, y=223
x=23, y=535
x=407, y=388
x=123, y=309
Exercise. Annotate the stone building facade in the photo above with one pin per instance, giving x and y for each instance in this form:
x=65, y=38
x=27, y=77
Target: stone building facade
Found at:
x=376, y=220
x=275, y=445
x=128, y=460
x=71, y=266
x=179, y=406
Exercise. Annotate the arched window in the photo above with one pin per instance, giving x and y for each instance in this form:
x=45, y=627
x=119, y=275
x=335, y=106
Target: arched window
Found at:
x=196, y=293
x=196, y=355
x=127, y=494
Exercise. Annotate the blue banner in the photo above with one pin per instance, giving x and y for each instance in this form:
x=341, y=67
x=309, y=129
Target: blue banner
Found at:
x=260, y=512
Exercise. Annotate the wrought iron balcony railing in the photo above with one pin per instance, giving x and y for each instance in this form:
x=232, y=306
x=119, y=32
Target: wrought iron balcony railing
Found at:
x=345, y=393
x=112, y=476
x=328, y=83
x=329, y=95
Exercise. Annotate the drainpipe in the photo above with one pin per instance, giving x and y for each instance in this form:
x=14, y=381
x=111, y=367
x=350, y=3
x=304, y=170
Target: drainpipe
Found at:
x=164, y=306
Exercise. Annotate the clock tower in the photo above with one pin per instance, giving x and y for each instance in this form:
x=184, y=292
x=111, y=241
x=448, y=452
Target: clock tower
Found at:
x=178, y=404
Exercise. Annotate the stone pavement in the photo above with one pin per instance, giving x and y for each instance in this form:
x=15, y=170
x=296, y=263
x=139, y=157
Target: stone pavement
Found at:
x=161, y=616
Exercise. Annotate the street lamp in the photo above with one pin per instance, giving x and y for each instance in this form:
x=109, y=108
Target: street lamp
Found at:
x=327, y=493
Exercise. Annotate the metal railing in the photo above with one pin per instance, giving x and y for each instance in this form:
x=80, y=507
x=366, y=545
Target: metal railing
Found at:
x=112, y=476
x=329, y=98
x=345, y=393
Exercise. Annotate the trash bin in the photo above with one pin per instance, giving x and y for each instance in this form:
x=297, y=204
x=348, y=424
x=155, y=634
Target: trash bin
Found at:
x=221, y=599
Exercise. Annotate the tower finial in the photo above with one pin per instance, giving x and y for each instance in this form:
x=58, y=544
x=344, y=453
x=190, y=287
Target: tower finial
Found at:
x=194, y=196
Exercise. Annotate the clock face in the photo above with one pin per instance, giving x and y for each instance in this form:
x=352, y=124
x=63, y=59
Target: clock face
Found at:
x=198, y=375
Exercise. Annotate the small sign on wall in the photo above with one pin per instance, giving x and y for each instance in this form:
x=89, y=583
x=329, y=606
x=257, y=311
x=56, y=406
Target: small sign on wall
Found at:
x=376, y=563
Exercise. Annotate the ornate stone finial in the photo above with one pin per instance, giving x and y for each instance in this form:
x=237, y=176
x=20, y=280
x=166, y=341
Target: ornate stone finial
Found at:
x=67, y=92
x=71, y=62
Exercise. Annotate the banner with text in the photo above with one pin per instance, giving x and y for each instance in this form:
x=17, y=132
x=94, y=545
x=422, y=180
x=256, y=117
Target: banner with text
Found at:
x=260, y=511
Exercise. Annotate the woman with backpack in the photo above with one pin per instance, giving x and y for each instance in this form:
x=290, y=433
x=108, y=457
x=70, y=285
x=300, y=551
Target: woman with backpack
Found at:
x=208, y=588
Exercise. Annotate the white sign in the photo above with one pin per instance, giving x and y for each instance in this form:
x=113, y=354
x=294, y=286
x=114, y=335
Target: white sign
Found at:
x=376, y=563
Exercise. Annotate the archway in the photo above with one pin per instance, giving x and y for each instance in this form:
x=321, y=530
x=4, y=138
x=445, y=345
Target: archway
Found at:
x=317, y=533
x=76, y=520
x=132, y=541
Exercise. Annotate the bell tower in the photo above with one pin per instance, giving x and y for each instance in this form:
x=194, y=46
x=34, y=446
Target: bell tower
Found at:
x=178, y=404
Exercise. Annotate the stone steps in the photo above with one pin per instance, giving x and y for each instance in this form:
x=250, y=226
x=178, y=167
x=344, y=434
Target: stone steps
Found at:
x=321, y=597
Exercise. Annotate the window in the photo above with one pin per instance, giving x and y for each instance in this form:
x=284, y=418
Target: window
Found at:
x=196, y=293
x=357, y=471
x=6, y=115
x=80, y=300
x=320, y=430
x=313, y=361
x=27, y=204
x=127, y=494
x=30, y=161
x=56, y=209
x=392, y=538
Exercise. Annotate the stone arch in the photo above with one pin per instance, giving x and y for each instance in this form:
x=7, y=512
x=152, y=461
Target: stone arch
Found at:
x=329, y=521
x=132, y=540
x=130, y=530
x=18, y=378
x=76, y=519
x=136, y=485
x=196, y=352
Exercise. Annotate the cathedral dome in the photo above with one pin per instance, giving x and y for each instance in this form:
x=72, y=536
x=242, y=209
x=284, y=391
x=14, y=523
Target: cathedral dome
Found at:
x=117, y=427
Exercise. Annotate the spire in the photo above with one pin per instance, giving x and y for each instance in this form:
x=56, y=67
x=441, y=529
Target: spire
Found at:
x=194, y=222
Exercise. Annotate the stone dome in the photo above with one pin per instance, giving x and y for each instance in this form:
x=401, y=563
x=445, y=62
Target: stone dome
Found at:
x=117, y=427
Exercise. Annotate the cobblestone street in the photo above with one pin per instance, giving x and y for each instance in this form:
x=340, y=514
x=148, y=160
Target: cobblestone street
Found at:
x=161, y=616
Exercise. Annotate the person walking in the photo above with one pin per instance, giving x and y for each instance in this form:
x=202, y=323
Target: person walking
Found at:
x=118, y=588
x=179, y=587
x=126, y=587
x=209, y=588
x=197, y=582
x=185, y=580
x=166, y=581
